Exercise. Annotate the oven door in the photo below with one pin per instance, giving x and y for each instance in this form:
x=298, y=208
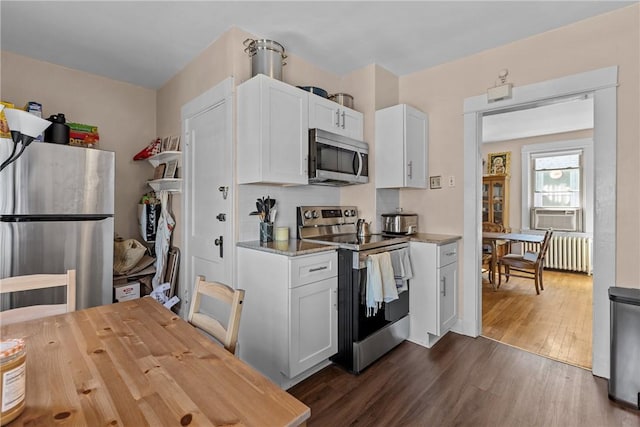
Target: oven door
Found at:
x=354, y=327
x=334, y=161
x=390, y=312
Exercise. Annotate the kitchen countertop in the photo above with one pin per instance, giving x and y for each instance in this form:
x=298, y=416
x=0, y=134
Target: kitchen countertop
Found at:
x=295, y=247
x=438, y=239
x=290, y=247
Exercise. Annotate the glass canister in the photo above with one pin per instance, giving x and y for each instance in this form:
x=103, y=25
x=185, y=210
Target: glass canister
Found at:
x=13, y=357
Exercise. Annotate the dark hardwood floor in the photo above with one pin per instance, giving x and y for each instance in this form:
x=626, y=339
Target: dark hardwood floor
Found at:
x=461, y=381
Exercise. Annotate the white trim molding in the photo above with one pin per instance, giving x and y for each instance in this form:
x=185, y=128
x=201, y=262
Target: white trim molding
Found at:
x=602, y=83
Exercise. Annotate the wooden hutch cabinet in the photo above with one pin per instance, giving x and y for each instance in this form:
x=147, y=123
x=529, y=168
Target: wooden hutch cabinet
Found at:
x=495, y=200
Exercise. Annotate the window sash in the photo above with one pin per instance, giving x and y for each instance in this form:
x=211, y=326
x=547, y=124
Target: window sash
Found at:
x=564, y=190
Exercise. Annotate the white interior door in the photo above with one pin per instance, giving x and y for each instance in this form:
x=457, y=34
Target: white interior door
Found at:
x=208, y=182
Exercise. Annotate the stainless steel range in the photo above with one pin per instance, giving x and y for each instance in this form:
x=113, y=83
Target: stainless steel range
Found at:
x=362, y=339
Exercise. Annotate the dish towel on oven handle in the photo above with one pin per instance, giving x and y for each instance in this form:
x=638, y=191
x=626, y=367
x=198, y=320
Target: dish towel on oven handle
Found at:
x=381, y=285
x=402, y=272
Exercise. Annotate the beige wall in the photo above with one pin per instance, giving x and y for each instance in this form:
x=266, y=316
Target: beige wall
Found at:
x=129, y=116
x=603, y=41
x=225, y=57
x=124, y=114
x=515, y=182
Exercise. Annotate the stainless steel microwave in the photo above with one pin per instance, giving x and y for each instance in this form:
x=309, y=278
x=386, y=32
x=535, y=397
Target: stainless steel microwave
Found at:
x=337, y=160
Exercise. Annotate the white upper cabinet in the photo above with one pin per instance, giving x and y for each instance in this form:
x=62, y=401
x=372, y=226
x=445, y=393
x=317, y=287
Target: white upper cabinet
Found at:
x=401, y=147
x=330, y=116
x=273, y=132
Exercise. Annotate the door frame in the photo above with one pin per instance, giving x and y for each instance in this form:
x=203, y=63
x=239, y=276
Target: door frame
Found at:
x=602, y=83
x=222, y=92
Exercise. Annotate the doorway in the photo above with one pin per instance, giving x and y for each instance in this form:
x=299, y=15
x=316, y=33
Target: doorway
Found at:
x=546, y=182
x=602, y=84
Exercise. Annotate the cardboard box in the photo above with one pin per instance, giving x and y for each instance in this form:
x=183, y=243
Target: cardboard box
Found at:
x=127, y=291
x=83, y=135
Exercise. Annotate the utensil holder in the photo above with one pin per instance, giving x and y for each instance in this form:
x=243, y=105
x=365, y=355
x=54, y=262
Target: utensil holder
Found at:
x=266, y=232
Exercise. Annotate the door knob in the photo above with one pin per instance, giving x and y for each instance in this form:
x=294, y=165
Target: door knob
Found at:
x=218, y=242
x=221, y=217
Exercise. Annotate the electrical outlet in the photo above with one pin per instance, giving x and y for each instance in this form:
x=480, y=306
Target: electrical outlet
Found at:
x=452, y=181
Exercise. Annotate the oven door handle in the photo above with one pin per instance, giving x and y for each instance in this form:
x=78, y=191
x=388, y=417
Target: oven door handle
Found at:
x=362, y=255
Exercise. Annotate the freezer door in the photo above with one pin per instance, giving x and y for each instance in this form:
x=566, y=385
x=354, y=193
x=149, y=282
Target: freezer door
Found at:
x=43, y=247
x=54, y=179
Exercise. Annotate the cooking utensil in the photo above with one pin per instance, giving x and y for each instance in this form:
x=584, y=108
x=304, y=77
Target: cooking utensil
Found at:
x=400, y=223
x=363, y=228
x=265, y=209
x=343, y=99
x=315, y=90
x=267, y=57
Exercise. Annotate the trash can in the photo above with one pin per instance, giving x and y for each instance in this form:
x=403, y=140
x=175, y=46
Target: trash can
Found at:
x=624, y=381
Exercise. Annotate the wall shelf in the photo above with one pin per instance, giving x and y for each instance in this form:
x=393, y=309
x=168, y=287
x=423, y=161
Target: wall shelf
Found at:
x=173, y=185
x=166, y=184
x=164, y=157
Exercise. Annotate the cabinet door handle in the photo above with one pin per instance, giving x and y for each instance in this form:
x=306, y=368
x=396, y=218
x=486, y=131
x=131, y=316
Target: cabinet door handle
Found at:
x=313, y=270
x=444, y=287
x=450, y=253
x=410, y=169
x=343, y=119
x=338, y=118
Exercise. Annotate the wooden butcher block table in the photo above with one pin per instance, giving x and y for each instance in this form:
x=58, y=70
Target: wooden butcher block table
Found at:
x=136, y=363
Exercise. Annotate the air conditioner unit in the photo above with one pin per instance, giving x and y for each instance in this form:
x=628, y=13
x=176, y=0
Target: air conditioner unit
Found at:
x=568, y=219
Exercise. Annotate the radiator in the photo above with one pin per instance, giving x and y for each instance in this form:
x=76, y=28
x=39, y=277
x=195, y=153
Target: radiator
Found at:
x=567, y=253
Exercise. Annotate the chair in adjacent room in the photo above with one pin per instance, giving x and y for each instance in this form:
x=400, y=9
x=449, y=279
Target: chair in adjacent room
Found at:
x=34, y=282
x=489, y=249
x=528, y=265
x=227, y=336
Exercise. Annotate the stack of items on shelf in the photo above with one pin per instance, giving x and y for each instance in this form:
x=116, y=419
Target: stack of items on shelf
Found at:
x=159, y=145
x=59, y=132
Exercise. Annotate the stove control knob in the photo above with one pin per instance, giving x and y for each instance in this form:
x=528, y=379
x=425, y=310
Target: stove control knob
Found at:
x=315, y=214
x=308, y=214
x=347, y=212
x=351, y=212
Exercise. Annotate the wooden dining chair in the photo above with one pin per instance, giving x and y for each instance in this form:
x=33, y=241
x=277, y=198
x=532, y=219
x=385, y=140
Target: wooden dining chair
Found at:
x=528, y=265
x=38, y=281
x=228, y=336
x=489, y=250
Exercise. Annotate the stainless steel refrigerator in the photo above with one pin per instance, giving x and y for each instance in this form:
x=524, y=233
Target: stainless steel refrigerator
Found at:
x=56, y=213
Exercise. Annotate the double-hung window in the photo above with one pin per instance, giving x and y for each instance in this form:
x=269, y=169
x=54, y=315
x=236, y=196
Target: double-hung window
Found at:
x=557, y=180
x=557, y=186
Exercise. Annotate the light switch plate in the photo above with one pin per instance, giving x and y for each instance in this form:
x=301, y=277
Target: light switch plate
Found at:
x=435, y=182
x=452, y=181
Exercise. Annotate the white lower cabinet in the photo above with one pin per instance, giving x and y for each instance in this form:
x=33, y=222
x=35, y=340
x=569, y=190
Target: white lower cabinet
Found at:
x=313, y=325
x=433, y=291
x=288, y=328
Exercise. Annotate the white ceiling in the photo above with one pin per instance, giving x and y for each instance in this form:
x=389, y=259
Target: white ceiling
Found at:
x=148, y=42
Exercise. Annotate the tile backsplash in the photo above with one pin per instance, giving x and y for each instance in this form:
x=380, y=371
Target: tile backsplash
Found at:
x=287, y=199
